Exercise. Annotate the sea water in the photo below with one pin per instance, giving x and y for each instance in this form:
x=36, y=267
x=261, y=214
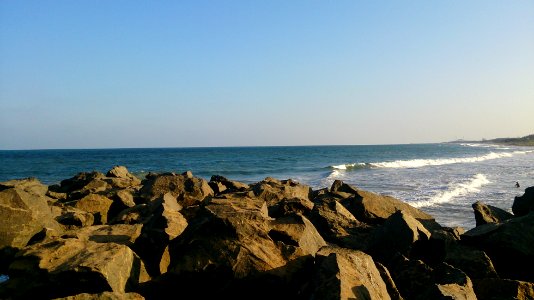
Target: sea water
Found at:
x=442, y=179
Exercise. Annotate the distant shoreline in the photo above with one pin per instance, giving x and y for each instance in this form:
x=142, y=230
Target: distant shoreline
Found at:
x=521, y=141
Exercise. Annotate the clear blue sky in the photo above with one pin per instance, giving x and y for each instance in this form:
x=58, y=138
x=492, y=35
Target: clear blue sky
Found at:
x=99, y=74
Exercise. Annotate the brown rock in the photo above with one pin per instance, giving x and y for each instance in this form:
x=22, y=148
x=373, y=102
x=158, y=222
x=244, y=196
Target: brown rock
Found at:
x=290, y=206
x=119, y=233
x=397, y=235
x=72, y=217
x=296, y=235
x=29, y=185
x=375, y=209
x=188, y=191
x=22, y=215
x=489, y=214
x=227, y=235
x=65, y=267
x=96, y=204
x=122, y=172
x=390, y=284
x=340, y=186
x=337, y=225
x=347, y=274
x=475, y=263
x=272, y=190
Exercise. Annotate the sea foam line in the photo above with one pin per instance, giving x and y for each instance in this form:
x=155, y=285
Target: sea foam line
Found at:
x=417, y=163
x=459, y=189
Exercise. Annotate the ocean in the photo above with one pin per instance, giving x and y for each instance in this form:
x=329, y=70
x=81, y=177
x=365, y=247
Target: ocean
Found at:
x=442, y=179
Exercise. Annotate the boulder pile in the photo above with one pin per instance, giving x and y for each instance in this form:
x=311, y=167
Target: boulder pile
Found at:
x=177, y=236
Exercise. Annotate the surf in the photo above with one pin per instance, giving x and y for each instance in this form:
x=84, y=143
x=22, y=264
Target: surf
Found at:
x=457, y=190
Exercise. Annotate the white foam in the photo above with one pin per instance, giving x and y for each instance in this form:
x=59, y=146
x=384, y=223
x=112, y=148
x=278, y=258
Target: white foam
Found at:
x=459, y=189
x=417, y=163
x=348, y=166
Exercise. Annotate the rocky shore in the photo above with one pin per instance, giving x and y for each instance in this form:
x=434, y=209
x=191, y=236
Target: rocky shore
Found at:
x=177, y=236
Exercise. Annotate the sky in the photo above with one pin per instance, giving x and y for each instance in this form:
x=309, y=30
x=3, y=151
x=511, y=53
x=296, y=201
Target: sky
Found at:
x=120, y=74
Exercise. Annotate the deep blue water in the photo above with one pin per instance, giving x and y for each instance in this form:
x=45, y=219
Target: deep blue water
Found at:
x=442, y=179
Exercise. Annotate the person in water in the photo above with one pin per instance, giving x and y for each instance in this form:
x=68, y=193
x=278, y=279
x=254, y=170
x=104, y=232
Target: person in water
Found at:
x=516, y=184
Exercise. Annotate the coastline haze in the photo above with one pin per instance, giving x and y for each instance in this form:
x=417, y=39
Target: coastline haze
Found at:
x=123, y=74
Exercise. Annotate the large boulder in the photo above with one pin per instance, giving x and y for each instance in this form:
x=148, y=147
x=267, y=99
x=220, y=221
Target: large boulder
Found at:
x=475, y=263
x=416, y=280
x=337, y=225
x=233, y=246
x=489, y=214
x=95, y=204
x=524, y=204
x=24, y=212
x=30, y=185
x=187, y=189
x=273, y=190
x=346, y=274
x=122, y=172
x=508, y=244
x=375, y=209
x=64, y=267
x=164, y=224
x=296, y=235
x=397, y=235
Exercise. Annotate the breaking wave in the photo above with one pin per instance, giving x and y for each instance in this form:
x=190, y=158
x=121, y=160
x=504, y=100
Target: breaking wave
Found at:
x=417, y=163
x=459, y=189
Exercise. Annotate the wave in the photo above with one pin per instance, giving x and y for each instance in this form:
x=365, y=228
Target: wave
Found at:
x=417, y=163
x=459, y=189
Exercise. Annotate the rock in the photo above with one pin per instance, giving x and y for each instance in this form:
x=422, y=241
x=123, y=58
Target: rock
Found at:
x=290, y=206
x=489, y=214
x=416, y=280
x=228, y=234
x=138, y=214
x=122, y=172
x=501, y=289
x=390, y=284
x=223, y=184
x=508, y=244
x=79, y=183
x=72, y=217
x=397, y=235
x=346, y=274
x=23, y=214
x=119, y=233
x=165, y=224
x=441, y=241
x=95, y=204
x=340, y=186
x=104, y=296
x=30, y=185
x=188, y=191
x=337, y=225
x=272, y=190
x=524, y=204
x=452, y=283
x=475, y=263
x=64, y=267
x=125, y=197
x=296, y=235
x=375, y=209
